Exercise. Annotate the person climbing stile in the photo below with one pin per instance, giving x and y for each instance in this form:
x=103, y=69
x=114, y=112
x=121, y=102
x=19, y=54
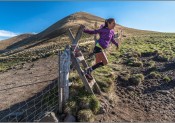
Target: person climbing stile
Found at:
x=106, y=36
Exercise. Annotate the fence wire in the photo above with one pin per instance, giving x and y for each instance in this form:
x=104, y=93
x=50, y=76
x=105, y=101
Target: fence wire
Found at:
x=33, y=108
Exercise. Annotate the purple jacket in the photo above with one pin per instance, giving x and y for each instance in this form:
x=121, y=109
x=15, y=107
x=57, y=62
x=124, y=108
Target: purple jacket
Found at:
x=106, y=35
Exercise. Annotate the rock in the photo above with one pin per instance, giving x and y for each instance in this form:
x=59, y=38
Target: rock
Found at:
x=49, y=117
x=113, y=113
x=102, y=110
x=131, y=88
x=17, y=67
x=70, y=118
x=164, y=92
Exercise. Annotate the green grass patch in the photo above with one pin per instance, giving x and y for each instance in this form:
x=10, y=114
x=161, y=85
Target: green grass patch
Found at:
x=154, y=74
x=85, y=115
x=167, y=78
x=137, y=79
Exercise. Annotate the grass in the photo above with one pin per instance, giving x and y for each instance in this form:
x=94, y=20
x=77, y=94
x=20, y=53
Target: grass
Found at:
x=137, y=79
x=4, y=66
x=154, y=74
x=167, y=78
x=104, y=78
x=85, y=115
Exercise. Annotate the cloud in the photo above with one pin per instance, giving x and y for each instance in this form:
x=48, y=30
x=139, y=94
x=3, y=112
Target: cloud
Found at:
x=6, y=34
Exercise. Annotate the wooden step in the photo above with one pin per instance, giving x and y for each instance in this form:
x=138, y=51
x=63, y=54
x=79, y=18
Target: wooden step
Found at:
x=80, y=58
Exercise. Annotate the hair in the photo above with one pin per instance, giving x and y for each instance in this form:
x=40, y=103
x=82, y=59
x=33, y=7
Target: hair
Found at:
x=108, y=21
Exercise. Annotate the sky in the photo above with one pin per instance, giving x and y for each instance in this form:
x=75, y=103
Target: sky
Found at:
x=33, y=17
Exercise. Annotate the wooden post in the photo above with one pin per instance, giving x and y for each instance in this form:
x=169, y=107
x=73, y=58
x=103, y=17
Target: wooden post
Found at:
x=63, y=79
x=60, y=91
x=66, y=75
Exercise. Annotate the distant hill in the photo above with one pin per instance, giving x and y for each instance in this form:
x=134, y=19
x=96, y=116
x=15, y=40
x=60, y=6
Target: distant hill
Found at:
x=7, y=42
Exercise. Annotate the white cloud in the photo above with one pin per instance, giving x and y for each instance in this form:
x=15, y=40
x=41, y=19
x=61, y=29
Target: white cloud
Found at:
x=4, y=33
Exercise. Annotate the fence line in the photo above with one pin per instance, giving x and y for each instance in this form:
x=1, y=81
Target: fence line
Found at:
x=34, y=108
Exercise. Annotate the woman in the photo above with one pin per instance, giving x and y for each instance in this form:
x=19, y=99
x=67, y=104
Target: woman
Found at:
x=106, y=35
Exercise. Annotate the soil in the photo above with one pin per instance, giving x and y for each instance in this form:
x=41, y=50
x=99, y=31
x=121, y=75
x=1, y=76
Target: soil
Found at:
x=151, y=101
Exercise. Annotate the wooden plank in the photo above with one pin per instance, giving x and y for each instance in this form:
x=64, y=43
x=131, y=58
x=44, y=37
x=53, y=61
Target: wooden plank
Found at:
x=72, y=38
x=79, y=34
x=82, y=76
x=97, y=88
x=80, y=58
x=85, y=65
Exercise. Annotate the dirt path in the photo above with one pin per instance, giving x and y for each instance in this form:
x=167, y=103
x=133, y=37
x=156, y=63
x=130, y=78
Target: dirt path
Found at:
x=17, y=85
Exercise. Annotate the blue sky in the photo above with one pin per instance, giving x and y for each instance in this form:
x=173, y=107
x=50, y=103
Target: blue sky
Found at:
x=33, y=17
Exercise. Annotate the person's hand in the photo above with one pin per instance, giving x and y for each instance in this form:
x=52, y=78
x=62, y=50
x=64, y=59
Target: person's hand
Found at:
x=117, y=47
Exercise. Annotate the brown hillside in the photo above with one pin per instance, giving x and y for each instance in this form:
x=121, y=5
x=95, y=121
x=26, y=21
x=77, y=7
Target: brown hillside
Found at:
x=5, y=43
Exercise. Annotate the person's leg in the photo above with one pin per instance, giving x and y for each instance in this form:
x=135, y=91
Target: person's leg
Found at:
x=101, y=60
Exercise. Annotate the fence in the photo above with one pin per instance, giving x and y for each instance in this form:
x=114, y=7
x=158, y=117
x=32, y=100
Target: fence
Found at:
x=29, y=101
x=33, y=108
x=51, y=97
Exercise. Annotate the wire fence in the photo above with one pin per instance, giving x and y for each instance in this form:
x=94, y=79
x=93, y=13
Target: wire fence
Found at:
x=28, y=101
x=32, y=109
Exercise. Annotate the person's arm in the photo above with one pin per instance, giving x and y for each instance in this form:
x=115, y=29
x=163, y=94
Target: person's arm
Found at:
x=114, y=41
x=91, y=31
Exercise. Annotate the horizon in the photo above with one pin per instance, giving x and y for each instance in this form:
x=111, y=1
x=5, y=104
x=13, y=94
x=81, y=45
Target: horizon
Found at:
x=34, y=17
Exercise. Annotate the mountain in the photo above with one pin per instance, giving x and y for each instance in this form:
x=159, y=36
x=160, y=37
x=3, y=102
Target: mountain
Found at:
x=59, y=29
x=7, y=42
